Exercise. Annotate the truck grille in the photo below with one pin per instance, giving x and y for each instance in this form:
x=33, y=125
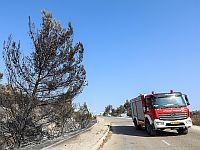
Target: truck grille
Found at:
x=173, y=116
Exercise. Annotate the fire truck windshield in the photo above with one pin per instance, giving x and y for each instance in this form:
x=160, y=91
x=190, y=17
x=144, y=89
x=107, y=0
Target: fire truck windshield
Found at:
x=169, y=101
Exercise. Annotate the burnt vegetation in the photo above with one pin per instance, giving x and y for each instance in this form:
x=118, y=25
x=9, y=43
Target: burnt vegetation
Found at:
x=195, y=115
x=37, y=102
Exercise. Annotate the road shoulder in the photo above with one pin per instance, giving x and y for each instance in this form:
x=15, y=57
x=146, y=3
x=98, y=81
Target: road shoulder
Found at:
x=90, y=139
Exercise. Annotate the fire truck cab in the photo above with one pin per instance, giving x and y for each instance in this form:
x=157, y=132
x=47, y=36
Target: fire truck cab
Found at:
x=159, y=111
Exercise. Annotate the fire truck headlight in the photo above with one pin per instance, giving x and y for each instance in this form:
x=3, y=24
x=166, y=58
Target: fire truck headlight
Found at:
x=189, y=121
x=160, y=123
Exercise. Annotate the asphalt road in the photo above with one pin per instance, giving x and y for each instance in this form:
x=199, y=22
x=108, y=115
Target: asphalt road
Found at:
x=124, y=136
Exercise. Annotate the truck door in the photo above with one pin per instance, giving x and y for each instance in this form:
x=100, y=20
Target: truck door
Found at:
x=148, y=102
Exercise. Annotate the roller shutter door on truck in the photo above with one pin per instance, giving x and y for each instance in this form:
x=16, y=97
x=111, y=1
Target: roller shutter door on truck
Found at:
x=140, y=109
x=134, y=109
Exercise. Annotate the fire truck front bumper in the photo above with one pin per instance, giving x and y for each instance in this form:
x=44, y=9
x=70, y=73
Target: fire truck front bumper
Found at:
x=163, y=124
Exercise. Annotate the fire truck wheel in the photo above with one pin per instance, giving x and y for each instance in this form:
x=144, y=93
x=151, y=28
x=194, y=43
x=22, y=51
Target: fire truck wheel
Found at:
x=152, y=131
x=149, y=128
x=182, y=131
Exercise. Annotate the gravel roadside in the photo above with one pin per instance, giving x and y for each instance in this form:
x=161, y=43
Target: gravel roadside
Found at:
x=85, y=141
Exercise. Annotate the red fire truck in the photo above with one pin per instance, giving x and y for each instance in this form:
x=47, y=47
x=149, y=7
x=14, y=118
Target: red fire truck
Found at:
x=159, y=111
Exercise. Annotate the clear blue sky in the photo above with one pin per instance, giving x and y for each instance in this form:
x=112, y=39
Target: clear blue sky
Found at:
x=131, y=46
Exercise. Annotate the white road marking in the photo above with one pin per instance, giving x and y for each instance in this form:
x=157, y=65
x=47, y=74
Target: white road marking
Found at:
x=165, y=142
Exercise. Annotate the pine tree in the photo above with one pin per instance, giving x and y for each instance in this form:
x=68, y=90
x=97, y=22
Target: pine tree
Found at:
x=53, y=72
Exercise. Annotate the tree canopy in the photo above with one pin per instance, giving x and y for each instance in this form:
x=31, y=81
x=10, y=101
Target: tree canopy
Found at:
x=54, y=69
x=1, y=76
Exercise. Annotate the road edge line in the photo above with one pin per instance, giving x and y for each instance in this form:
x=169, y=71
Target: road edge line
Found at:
x=165, y=142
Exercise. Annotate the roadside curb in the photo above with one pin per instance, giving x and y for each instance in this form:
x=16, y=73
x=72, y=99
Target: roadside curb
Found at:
x=102, y=139
x=76, y=134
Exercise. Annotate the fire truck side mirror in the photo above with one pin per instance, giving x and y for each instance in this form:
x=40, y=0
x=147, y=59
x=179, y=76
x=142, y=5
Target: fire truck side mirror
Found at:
x=187, y=101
